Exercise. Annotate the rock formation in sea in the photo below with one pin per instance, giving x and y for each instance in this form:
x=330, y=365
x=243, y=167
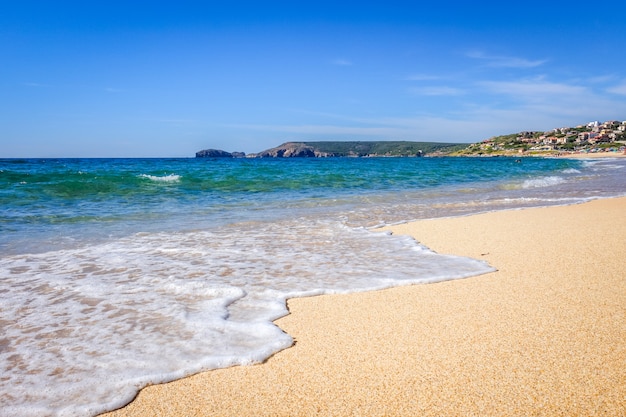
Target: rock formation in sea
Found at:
x=293, y=150
x=217, y=153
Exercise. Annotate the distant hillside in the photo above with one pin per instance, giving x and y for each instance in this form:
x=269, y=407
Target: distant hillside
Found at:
x=609, y=136
x=357, y=149
x=384, y=148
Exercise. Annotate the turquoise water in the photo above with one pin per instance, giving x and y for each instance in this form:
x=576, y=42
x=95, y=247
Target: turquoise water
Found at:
x=118, y=273
x=47, y=203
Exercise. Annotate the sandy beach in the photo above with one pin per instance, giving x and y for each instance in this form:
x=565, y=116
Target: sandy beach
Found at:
x=545, y=335
x=594, y=155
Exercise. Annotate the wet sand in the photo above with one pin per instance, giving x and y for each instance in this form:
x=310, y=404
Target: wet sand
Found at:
x=545, y=335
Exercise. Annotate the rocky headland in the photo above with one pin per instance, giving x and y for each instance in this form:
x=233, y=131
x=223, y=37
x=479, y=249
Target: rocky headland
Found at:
x=341, y=149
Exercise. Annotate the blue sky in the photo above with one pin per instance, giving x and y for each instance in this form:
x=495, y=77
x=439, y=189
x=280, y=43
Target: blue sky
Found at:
x=152, y=79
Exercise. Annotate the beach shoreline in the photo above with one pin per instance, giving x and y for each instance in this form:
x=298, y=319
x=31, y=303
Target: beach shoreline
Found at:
x=594, y=155
x=544, y=335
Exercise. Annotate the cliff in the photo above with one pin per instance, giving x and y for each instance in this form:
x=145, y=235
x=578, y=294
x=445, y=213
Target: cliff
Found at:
x=293, y=150
x=355, y=149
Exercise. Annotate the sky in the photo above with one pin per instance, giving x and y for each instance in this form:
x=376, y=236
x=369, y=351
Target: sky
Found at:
x=167, y=79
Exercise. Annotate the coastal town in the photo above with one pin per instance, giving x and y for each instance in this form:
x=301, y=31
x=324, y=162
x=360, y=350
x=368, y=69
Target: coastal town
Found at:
x=593, y=137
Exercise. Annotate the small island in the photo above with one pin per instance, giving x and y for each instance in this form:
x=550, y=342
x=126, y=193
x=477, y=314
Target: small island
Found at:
x=217, y=153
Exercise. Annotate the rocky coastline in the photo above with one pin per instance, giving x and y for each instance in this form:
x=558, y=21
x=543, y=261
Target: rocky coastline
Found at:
x=340, y=149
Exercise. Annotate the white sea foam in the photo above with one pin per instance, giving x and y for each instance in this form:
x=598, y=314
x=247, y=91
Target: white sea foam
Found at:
x=543, y=182
x=90, y=326
x=571, y=171
x=165, y=178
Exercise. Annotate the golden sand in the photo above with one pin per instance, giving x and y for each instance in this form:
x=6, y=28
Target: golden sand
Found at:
x=543, y=336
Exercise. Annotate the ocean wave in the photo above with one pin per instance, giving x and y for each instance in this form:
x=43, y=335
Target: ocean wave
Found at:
x=165, y=178
x=543, y=182
x=571, y=171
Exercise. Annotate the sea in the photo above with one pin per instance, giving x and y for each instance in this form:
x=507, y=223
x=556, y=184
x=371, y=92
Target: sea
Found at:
x=120, y=273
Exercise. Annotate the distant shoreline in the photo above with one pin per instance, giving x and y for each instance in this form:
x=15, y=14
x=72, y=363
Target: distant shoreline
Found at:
x=584, y=155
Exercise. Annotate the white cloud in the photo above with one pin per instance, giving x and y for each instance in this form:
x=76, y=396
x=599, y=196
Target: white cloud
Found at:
x=505, y=61
x=601, y=79
x=618, y=89
x=541, y=104
x=533, y=88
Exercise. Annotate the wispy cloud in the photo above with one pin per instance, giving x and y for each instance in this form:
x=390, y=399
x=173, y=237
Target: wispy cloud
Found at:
x=543, y=104
x=322, y=129
x=423, y=77
x=487, y=108
x=535, y=87
x=618, y=89
x=469, y=124
x=113, y=90
x=437, y=91
x=602, y=79
x=342, y=62
x=480, y=125
x=505, y=61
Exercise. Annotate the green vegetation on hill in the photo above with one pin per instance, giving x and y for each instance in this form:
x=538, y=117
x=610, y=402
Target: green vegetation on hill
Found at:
x=592, y=137
x=384, y=148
